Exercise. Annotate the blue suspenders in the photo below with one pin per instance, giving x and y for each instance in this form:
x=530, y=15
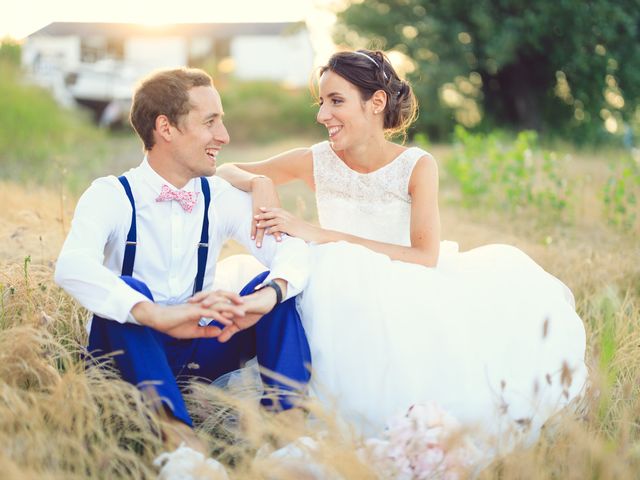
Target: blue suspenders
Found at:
x=130, y=246
x=203, y=246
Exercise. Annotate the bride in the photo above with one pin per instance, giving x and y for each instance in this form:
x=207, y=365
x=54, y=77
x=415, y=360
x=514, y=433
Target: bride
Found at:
x=394, y=316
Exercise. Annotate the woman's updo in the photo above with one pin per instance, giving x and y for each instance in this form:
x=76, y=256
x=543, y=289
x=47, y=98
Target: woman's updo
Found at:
x=370, y=71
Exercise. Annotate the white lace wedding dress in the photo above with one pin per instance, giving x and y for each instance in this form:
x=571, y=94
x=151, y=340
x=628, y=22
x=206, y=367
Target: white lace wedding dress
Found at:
x=488, y=334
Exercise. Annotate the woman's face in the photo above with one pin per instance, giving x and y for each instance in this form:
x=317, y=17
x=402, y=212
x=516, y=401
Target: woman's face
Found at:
x=349, y=120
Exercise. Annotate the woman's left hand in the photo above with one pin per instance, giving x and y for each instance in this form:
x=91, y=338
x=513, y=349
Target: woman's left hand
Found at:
x=277, y=220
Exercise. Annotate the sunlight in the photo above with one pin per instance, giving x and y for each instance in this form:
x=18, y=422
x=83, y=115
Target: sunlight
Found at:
x=28, y=16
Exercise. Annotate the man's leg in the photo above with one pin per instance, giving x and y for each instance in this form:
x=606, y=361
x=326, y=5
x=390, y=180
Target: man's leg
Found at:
x=139, y=355
x=281, y=348
x=153, y=361
x=279, y=342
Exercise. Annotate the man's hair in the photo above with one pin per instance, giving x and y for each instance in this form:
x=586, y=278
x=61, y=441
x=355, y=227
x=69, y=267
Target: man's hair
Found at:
x=165, y=92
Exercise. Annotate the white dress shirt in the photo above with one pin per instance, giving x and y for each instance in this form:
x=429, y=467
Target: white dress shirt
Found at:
x=166, y=255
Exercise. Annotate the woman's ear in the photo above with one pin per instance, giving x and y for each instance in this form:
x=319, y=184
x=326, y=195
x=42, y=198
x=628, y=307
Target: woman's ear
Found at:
x=163, y=127
x=379, y=101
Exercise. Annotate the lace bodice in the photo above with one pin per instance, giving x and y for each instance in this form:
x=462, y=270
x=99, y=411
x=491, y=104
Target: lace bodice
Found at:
x=372, y=205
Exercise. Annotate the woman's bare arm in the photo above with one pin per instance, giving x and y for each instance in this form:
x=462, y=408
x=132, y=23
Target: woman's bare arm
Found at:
x=425, y=222
x=283, y=168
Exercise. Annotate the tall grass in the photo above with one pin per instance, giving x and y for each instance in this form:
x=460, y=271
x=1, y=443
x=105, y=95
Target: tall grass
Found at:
x=58, y=420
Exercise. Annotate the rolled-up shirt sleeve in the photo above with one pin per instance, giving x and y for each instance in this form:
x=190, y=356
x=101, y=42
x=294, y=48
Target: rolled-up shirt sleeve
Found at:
x=79, y=268
x=288, y=259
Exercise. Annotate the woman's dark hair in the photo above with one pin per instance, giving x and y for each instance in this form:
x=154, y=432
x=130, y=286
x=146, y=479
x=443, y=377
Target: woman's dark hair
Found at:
x=165, y=92
x=371, y=71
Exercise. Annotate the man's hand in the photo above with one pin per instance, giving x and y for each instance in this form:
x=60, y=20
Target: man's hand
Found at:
x=182, y=321
x=256, y=305
x=263, y=194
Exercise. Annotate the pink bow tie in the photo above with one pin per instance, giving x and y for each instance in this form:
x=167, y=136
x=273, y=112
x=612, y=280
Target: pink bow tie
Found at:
x=187, y=200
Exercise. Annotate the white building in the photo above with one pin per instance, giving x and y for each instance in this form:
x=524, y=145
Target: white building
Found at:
x=97, y=63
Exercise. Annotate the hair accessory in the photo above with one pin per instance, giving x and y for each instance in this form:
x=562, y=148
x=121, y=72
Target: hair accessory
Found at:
x=374, y=62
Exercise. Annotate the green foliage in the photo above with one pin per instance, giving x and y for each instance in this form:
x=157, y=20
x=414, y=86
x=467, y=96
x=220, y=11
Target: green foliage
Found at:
x=563, y=67
x=621, y=194
x=36, y=134
x=10, y=52
x=498, y=172
x=261, y=111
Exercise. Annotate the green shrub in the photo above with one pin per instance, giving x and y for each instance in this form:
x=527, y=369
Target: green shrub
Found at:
x=36, y=134
x=496, y=171
x=265, y=111
x=621, y=194
x=10, y=52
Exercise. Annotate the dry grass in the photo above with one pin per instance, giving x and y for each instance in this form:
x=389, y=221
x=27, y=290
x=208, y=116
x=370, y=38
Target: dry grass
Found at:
x=58, y=420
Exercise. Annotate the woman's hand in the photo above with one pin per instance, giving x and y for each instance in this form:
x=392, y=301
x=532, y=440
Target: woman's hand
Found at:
x=277, y=221
x=263, y=194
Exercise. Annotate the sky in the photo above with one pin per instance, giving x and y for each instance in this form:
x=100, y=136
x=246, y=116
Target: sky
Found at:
x=26, y=16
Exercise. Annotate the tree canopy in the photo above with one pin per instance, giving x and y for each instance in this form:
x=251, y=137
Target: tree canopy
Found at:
x=559, y=66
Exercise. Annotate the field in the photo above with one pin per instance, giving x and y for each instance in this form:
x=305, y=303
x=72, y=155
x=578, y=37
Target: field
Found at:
x=58, y=421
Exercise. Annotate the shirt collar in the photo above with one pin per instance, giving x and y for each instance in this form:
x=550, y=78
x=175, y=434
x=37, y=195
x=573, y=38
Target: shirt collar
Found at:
x=153, y=178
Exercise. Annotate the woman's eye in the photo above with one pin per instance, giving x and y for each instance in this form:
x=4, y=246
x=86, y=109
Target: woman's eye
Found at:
x=336, y=101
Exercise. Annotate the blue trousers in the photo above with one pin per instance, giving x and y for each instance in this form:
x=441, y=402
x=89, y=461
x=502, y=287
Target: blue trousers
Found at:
x=149, y=358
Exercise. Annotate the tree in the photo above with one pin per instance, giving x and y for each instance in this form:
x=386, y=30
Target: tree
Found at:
x=551, y=65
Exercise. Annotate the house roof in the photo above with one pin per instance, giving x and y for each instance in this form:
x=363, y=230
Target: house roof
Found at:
x=213, y=30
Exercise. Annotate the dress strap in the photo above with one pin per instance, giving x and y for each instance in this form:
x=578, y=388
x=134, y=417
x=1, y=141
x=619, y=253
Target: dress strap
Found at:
x=130, y=246
x=203, y=246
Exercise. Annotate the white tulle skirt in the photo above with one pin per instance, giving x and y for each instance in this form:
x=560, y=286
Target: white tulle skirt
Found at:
x=488, y=335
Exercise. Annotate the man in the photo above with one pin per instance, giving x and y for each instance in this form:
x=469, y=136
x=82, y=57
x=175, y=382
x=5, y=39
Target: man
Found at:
x=141, y=245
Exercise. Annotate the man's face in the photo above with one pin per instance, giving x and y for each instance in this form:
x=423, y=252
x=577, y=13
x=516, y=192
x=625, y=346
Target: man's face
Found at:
x=200, y=134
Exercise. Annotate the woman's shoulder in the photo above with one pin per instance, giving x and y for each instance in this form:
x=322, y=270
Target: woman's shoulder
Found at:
x=321, y=151
x=424, y=171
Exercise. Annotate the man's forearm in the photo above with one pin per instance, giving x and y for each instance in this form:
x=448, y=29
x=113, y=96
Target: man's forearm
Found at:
x=145, y=313
x=267, y=297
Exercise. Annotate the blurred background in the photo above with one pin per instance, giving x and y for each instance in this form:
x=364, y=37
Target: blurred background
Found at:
x=567, y=70
x=522, y=102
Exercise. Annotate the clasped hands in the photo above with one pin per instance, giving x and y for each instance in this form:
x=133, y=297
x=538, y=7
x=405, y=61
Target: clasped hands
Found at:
x=229, y=309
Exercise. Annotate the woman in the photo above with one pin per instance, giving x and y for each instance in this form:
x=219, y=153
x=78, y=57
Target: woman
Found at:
x=393, y=316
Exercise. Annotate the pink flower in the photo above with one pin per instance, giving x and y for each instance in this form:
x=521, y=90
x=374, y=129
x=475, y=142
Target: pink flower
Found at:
x=417, y=445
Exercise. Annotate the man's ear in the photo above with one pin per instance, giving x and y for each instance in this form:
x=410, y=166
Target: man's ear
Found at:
x=163, y=127
x=379, y=101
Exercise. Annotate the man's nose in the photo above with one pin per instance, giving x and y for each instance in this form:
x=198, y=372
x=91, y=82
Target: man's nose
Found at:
x=221, y=134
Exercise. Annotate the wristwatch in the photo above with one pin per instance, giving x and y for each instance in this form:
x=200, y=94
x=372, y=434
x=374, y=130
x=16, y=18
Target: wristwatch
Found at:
x=276, y=287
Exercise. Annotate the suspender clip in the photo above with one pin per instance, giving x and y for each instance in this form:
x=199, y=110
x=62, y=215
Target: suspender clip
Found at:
x=204, y=245
x=131, y=243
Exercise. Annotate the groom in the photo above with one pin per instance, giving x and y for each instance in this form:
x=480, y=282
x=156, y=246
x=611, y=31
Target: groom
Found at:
x=141, y=255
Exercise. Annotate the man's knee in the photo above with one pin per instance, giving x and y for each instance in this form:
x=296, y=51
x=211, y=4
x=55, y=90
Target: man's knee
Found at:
x=138, y=286
x=250, y=287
